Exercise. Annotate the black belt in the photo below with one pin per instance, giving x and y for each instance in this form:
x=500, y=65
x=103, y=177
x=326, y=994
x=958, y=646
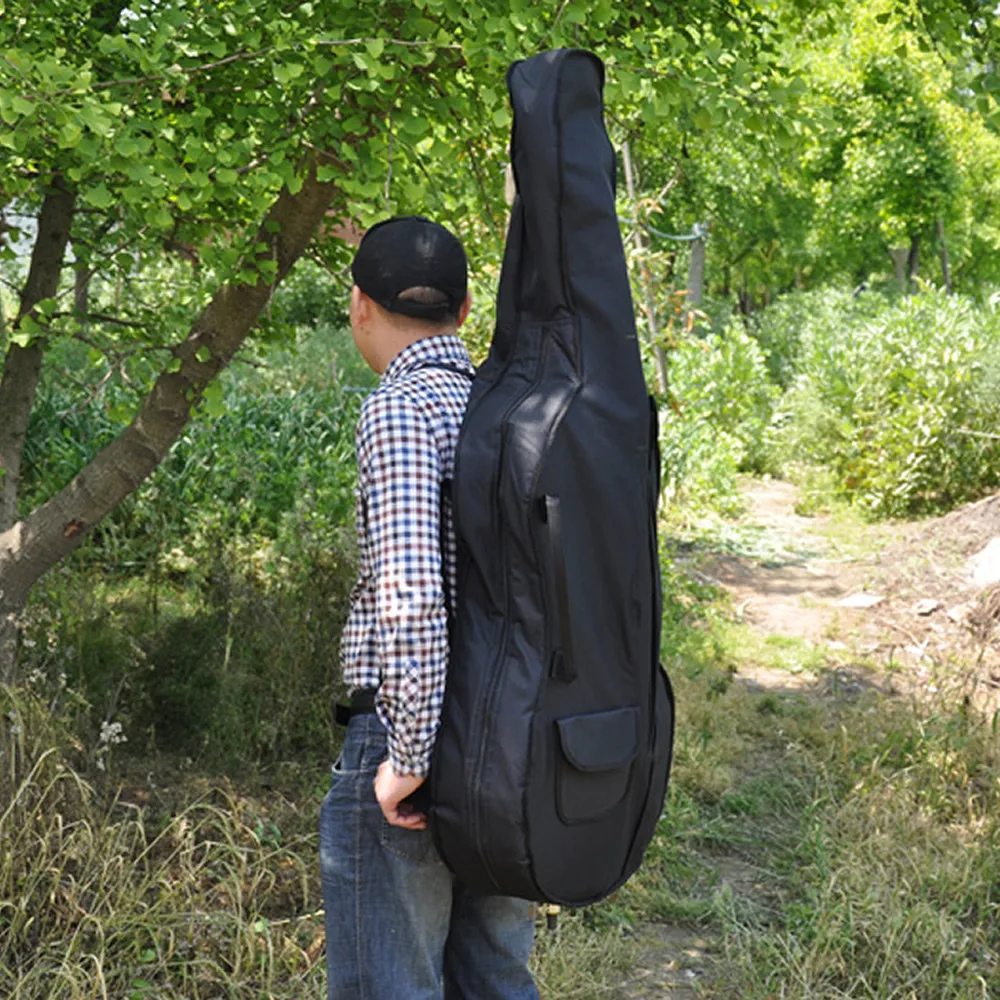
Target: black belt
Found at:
x=361, y=702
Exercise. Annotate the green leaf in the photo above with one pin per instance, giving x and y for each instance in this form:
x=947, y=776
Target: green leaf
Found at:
x=375, y=46
x=120, y=412
x=414, y=126
x=173, y=365
x=159, y=216
x=99, y=197
x=286, y=72
x=203, y=354
x=213, y=399
x=69, y=135
x=93, y=116
x=703, y=118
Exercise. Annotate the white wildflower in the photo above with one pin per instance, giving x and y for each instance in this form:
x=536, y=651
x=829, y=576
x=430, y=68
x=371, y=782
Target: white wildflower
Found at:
x=111, y=733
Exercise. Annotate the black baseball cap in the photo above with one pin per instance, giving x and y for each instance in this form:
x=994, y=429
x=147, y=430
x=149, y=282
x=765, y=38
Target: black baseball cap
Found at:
x=410, y=251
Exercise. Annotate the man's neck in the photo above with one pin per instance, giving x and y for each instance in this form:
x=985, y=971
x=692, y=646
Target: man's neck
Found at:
x=402, y=337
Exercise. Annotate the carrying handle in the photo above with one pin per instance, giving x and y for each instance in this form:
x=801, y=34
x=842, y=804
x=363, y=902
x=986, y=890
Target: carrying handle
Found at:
x=562, y=659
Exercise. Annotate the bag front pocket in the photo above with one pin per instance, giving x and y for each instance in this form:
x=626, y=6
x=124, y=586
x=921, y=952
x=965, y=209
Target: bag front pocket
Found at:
x=593, y=771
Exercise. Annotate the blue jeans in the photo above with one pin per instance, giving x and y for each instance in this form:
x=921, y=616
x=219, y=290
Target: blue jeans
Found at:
x=399, y=926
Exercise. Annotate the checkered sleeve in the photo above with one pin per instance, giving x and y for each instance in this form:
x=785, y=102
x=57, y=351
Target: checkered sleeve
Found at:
x=399, y=464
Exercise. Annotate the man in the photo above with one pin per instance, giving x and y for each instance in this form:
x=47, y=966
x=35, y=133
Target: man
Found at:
x=398, y=924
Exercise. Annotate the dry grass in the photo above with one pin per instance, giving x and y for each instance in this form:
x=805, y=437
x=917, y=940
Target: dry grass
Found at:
x=826, y=843
x=218, y=897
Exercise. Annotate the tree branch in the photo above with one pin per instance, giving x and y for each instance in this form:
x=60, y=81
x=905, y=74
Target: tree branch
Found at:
x=245, y=56
x=32, y=546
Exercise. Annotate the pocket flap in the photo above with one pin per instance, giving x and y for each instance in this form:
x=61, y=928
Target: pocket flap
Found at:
x=600, y=741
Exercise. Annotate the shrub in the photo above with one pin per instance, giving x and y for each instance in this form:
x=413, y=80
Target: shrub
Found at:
x=237, y=474
x=898, y=398
x=204, y=612
x=724, y=406
x=232, y=665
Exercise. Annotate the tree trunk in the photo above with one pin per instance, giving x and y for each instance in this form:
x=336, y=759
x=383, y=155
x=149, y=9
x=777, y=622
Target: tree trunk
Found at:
x=912, y=264
x=945, y=263
x=22, y=365
x=900, y=256
x=81, y=292
x=652, y=317
x=21, y=368
x=33, y=546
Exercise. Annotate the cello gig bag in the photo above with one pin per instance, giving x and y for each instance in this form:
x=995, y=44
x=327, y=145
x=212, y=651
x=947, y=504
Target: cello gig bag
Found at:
x=551, y=762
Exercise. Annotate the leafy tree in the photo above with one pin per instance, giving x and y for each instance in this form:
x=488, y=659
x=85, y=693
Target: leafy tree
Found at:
x=166, y=162
x=198, y=146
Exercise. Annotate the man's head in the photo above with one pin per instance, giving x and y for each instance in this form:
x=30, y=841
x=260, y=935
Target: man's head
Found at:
x=410, y=282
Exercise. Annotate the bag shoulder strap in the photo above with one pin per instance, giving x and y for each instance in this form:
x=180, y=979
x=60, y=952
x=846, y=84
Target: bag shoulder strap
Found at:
x=446, y=490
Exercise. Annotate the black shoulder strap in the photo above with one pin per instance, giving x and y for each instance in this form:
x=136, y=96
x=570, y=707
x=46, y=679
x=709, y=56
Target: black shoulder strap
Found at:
x=449, y=600
x=445, y=366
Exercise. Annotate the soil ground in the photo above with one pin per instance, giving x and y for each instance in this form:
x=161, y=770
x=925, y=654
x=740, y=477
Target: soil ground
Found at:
x=796, y=577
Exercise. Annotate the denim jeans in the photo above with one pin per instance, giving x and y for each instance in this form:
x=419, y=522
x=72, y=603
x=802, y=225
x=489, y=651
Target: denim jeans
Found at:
x=399, y=926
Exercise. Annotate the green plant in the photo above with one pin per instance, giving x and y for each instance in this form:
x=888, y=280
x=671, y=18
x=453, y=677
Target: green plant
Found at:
x=896, y=399
x=722, y=402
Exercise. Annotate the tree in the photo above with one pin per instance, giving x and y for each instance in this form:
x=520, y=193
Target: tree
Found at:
x=168, y=161
x=215, y=138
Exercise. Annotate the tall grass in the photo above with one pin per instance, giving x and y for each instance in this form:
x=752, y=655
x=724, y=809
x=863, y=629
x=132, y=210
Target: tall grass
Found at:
x=897, y=399
x=893, y=402
x=187, y=893
x=894, y=873
x=104, y=898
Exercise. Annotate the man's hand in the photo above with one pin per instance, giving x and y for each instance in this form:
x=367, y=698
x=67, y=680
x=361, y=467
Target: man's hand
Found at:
x=391, y=789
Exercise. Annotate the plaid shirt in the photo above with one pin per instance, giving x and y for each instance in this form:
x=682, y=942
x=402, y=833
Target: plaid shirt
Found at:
x=396, y=637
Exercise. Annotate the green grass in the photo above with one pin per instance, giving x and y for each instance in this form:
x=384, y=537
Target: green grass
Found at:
x=826, y=846
x=833, y=847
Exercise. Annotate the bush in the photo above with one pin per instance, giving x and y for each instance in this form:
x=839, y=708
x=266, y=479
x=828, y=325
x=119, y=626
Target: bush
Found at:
x=237, y=474
x=204, y=613
x=898, y=398
x=723, y=406
x=232, y=665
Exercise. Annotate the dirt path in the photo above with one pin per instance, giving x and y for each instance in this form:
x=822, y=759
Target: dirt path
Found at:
x=785, y=578
x=788, y=579
x=783, y=590
x=886, y=606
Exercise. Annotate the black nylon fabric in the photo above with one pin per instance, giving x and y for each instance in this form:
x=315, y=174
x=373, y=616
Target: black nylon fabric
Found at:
x=551, y=763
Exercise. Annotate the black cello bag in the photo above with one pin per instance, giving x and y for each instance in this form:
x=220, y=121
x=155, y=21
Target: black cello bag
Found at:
x=551, y=763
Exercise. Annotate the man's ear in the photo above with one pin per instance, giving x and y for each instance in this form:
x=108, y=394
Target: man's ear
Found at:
x=363, y=308
x=463, y=313
x=357, y=302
